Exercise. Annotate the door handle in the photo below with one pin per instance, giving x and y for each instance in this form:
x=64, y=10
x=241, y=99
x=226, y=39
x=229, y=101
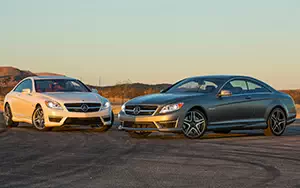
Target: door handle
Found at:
x=248, y=97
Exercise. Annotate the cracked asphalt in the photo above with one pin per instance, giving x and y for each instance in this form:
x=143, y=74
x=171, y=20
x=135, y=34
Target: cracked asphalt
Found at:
x=81, y=157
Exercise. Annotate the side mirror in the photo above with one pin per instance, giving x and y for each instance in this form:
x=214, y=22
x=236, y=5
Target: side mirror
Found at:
x=95, y=91
x=161, y=91
x=225, y=93
x=26, y=91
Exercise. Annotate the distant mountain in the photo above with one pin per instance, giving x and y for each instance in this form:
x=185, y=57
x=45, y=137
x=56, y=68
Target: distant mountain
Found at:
x=130, y=90
x=10, y=76
x=48, y=74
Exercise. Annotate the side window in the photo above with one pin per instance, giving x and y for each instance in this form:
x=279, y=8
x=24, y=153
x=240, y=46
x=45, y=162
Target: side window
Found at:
x=255, y=88
x=26, y=84
x=236, y=87
x=189, y=86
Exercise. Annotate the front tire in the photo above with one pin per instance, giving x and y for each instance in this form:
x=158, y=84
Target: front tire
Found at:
x=276, y=123
x=38, y=119
x=7, y=116
x=194, y=124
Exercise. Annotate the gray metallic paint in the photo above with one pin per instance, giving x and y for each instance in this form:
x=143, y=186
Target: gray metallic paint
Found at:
x=242, y=111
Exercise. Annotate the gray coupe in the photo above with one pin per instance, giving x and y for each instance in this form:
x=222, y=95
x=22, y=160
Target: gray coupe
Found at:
x=210, y=103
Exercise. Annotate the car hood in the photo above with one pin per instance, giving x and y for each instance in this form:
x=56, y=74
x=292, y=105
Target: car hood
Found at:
x=73, y=97
x=163, y=98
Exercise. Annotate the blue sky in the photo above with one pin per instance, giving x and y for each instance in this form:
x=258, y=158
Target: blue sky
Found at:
x=153, y=41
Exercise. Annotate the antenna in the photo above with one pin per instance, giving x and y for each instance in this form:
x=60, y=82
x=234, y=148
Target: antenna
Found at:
x=99, y=81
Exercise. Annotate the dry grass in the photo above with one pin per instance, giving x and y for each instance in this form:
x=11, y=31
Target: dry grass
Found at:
x=116, y=108
x=1, y=103
x=116, y=100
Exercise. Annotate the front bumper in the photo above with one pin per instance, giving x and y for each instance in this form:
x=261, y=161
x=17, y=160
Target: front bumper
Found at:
x=57, y=118
x=156, y=123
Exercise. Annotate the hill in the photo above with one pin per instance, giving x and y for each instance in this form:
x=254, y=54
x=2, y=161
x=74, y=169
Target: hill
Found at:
x=48, y=74
x=122, y=92
x=10, y=76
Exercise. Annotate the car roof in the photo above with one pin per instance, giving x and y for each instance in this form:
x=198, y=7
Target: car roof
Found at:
x=221, y=76
x=51, y=78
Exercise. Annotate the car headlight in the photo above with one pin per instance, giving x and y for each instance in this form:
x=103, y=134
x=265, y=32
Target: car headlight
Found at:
x=123, y=108
x=171, y=108
x=106, y=105
x=53, y=105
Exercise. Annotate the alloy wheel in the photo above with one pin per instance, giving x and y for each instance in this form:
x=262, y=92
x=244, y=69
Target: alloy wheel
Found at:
x=194, y=124
x=38, y=119
x=277, y=122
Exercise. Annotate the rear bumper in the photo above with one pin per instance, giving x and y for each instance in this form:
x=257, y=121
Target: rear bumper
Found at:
x=158, y=123
x=57, y=118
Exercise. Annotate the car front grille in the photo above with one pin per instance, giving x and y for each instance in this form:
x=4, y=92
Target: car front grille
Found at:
x=83, y=121
x=140, y=110
x=139, y=124
x=83, y=107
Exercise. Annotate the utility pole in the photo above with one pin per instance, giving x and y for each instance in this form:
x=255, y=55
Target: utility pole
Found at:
x=99, y=81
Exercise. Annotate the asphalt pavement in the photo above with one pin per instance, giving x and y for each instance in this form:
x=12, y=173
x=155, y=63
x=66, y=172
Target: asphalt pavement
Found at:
x=82, y=157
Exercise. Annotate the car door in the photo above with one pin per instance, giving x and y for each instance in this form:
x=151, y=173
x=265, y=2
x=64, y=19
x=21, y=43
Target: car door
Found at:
x=22, y=102
x=261, y=97
x=233, y=109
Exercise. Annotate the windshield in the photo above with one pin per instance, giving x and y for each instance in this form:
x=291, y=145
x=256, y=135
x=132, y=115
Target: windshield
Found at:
x=196, y=85
x=60, y=85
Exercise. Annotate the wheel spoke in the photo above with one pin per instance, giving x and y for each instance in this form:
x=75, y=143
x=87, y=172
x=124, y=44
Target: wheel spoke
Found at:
x=199, y=128
x=192, y=116
x=187, y=118
x=200, y=122
x=186, y=129
x=194, y=130
x=273, y=117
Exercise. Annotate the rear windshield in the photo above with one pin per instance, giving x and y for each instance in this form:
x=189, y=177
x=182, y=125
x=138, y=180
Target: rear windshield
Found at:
x=60, y=85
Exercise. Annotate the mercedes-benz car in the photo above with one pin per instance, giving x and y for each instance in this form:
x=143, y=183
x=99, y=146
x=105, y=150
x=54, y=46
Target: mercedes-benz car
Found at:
x=209, y=103
x=55, y=101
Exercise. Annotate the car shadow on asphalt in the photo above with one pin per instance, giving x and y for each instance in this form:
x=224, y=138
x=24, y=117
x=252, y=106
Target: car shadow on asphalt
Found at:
x=209, y=135
x=27, y=127
x=291, y=131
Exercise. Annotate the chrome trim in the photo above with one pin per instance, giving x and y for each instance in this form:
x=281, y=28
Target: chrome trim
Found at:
x=245, y=79
x=81, y=108
x=153, y=111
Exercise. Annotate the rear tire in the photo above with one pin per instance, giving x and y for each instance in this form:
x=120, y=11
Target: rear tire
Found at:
x=136, y=134
x=7, y=116
x=276, y=123
x=38, y=120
